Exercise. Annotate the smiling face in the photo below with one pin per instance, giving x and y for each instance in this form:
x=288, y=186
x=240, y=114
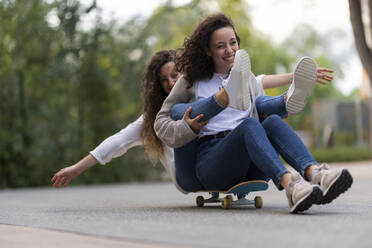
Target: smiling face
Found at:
x=222, y=47
x=168, y=76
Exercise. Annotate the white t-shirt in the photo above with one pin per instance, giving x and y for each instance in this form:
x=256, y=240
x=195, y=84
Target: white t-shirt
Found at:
x=229, y=118
x=130, y=136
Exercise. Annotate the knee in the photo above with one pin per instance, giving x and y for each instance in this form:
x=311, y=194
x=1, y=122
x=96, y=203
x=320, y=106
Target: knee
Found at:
x=251, y=130
x=251, y=123
x=272, y=120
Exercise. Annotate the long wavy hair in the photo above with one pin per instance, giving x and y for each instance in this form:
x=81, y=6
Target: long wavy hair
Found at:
x=153, y=96
x=193, y=60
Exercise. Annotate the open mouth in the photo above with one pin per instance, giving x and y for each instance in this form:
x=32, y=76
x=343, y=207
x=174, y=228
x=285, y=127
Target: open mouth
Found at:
x=229, y=59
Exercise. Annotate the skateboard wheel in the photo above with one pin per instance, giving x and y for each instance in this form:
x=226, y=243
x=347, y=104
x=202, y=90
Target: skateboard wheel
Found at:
x=200, y=201
x=258, y=202
x=227, y=202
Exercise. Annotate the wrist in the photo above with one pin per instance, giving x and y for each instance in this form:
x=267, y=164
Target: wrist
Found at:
x=85, y=163
x=79, y=168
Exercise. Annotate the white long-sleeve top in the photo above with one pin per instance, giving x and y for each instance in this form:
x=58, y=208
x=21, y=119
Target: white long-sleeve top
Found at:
x=130, y=136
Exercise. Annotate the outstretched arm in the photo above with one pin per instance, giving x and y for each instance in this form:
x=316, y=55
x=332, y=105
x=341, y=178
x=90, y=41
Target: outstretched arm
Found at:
x=65, y=175
x=112, y=147
x=278, y=80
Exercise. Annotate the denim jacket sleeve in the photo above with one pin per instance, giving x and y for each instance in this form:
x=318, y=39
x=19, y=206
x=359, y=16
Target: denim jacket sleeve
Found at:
x=174, y=133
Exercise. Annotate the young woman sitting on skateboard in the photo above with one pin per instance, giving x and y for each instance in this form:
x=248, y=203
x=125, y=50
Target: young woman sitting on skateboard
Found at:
x=213, y=104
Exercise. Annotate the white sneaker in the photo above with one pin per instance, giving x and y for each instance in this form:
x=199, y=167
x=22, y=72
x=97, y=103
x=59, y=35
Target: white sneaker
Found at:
x=304, y=77
x=333, y=182
x=301, y=194
x=237, y=85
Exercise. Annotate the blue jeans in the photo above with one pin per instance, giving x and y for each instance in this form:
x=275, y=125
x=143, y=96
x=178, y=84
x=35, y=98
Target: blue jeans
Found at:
x=268, y=105
x=209, y=107
x=185, y=156
x=249, y=152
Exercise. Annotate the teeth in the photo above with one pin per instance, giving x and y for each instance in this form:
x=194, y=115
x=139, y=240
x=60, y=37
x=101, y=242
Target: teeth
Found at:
x=229, y=57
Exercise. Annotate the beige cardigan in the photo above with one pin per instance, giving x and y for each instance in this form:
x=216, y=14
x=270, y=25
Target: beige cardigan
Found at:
x=178, y=133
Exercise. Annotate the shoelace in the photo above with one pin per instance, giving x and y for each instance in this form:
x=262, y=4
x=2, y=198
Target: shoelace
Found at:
x=298, y=181
x=324, y=168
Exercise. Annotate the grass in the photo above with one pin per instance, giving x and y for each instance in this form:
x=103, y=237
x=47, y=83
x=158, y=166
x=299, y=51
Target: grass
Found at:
x=341, y=154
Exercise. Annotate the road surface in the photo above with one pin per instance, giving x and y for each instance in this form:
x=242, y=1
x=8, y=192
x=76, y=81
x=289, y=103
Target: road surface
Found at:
x=157, y=215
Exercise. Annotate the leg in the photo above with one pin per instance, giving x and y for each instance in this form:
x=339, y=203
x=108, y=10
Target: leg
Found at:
x=210, y=107
x=185, y=156
x=185, y=159
x=255, y=174
x=268, y=105
x=222, y=163
x=289, y=145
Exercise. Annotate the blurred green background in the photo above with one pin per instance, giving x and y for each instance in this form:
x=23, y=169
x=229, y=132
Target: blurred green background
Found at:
x=64, y=89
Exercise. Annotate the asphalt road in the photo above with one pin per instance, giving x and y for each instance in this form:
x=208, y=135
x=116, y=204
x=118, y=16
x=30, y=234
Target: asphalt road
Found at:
x=157, y=215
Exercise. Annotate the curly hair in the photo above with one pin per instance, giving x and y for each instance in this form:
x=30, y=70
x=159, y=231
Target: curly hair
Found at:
x=193, y=60
x=153, y=96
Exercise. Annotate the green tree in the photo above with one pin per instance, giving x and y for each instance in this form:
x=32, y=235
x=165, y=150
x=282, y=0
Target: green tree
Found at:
x=63, y=90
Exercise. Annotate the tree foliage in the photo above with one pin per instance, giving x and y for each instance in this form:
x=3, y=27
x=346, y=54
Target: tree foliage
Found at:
x=63, y=90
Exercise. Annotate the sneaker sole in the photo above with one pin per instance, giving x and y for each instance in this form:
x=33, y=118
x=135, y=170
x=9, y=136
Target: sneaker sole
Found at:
x=339, y=186
x=244, y=62
x=242, y=72
x=304, y=79
x=306, y=202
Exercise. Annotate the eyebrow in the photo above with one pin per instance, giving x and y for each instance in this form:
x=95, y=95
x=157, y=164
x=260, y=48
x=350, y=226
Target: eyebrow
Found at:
x=222, y=42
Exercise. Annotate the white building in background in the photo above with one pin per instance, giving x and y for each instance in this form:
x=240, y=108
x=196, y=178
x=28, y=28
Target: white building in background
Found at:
x=347, y=117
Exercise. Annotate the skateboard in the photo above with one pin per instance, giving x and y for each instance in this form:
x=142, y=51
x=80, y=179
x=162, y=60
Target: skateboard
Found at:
x=241, y=190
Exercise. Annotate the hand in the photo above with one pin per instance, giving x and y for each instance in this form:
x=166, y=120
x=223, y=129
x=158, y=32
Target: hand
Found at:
x=194, y=124
x=65, y=175
x=323, y=75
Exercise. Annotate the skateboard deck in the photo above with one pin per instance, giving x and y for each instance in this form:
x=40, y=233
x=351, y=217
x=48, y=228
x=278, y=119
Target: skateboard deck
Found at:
x=240, y=190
